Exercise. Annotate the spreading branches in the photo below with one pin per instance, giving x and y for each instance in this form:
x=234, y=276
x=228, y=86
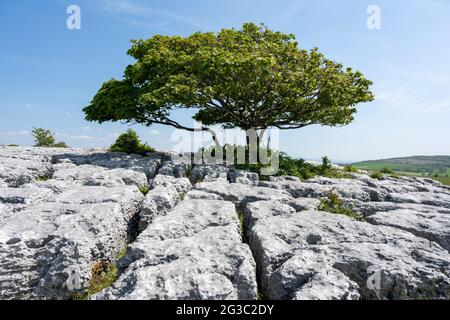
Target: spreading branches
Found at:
x=248, y=78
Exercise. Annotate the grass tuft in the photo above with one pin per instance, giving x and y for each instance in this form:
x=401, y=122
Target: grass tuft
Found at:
x=334, y=204
x=144, y=190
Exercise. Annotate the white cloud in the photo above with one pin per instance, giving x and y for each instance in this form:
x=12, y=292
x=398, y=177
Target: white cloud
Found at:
x=75, y=137
x=67, y=114
x=441, y=106
x=113, y=135
x=126, y=7
x=30, y=106
x=86, y=128
x=15, y=133
x=154, y=132
x=396, y=96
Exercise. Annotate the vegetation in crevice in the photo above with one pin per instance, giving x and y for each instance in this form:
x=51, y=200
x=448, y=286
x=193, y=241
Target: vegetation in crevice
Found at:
x=103, y=274
x=241, y=221
x=334, y=204
x=42, y=178
x=377, y=175
x=144, y=190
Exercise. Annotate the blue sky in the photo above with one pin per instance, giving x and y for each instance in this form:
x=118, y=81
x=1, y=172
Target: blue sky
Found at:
x=48, y=73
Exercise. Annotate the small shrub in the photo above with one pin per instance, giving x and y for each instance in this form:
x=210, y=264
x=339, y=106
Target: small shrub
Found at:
x=46, y=138
x=144, y=190
x=42, y=178
x=260, y=296
x=60, y=145
x=351, y=169
x=334, y=204
x=129, y=143
x=387, y=170
x=103, y=275
x=376, y=175
x=43, y=137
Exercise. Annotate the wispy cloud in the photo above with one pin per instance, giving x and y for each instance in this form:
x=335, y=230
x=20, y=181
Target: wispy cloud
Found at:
x=74, y=137
x=395, y=96
x=139, y=14
x=441, y=106
x=15, y=133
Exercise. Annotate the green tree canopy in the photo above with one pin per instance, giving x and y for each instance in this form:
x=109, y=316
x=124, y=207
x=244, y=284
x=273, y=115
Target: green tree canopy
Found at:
x=249, y=78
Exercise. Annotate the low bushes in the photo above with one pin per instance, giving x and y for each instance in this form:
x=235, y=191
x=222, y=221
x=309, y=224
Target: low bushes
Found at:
x=129, y=143
x=288, y=166
x=46, y=138
x=334, y=204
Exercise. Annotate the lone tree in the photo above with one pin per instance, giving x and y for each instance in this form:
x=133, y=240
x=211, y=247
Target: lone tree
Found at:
x=252, y=78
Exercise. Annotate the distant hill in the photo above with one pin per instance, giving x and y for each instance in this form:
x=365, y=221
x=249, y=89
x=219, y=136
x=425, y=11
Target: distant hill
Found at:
x=431, y=166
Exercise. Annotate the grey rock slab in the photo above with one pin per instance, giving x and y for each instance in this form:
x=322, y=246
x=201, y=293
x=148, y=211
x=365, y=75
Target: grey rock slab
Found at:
x=244, y=177
x=47, y=252
x=129, y=197
x=112, y=160
x=433, y=199
x=370, y=208
x=346, y=188
x=25, y=196
x=17, y=172
x=434, y=226
x=118, y=177
x=208, y=173
x=197, y=194
x=182, y=185
x=177, y=170
x=158, y=201
x=240, y=194
x=193, y=252
x=300, y=253
x=81, y=173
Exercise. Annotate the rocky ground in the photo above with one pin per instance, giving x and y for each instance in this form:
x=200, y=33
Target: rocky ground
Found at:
x=211, y=232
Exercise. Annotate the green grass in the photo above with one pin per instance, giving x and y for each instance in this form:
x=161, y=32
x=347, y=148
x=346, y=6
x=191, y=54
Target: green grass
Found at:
x=241, y=220
x=351, y=169
x=443, y=180
x=376, y=175
x=334, y=204
x=42, y=178
x=144, y=190
x=429, y=166
x=103, y=275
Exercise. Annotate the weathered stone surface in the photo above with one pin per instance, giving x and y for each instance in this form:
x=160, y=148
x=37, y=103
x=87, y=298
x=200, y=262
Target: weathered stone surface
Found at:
x=192, y=252
x=177, y=170
x=55, y=230
x=157, y=202
x=289, y=247
x=64, y=211
x=17, y=172
x=182, y=185
x=198, y=194
x=208, y=173
x=148, y=165
x=25, y=196
x=47, y=252
x=245, y=177
x=129, y=198
x=240, y=194
x=430, y=225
